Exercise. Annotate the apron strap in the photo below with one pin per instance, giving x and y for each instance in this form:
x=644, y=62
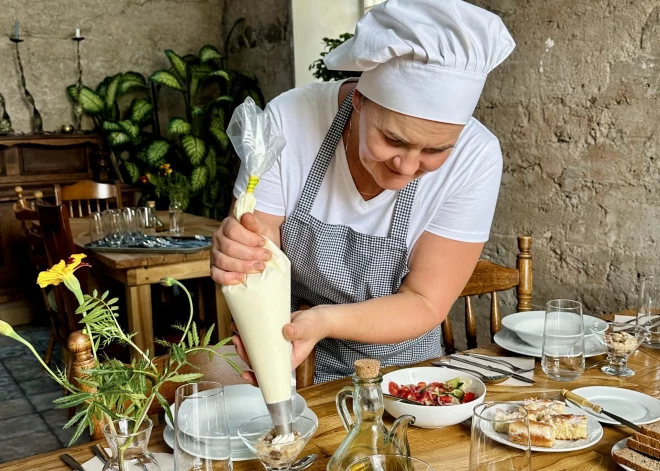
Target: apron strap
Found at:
x=327, y=150
x=402, y=210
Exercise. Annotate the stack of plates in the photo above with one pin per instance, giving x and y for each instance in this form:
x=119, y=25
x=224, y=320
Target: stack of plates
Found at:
x=522, y=333
x=244, y=402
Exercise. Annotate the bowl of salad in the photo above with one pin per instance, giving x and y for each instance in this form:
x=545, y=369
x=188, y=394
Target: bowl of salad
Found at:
x=444, y=397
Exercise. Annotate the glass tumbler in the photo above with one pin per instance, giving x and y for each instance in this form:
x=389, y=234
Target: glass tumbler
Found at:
x=491, y=447
x=201, y=427
x=112, y=227
x=563, y=340
x=143, y=222
x=648, y=312
x=128, y=225
x=96, y=233
x=176, y=217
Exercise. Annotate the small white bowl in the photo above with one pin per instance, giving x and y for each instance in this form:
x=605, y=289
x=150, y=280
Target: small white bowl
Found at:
x=432, y=416
x=529, y=326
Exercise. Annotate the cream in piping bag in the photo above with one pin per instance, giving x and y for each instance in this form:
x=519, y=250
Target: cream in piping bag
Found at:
x=261, y=305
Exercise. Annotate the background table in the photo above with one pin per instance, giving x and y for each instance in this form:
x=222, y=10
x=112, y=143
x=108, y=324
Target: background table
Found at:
x=444, y=449
x=138, y=271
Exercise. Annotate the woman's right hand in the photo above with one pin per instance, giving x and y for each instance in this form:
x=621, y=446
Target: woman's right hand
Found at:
x=238, y=249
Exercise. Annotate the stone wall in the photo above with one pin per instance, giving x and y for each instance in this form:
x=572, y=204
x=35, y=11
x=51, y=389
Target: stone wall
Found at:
x=121, y=35
x=576, y=110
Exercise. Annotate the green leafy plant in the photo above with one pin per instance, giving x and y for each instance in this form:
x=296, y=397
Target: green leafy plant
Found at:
x=321, y=71
x=114, y=390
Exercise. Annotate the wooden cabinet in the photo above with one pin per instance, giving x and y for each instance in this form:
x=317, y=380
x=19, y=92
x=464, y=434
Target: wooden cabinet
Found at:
x=34, y=162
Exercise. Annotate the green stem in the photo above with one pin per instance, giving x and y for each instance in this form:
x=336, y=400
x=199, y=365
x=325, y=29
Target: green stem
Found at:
x=190, y=318
x=50, y=372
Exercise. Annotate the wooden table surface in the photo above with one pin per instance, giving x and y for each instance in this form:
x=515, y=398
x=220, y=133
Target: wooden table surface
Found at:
x=444, y=449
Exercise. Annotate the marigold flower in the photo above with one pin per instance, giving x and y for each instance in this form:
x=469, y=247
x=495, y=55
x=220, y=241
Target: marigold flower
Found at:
x=63, y=273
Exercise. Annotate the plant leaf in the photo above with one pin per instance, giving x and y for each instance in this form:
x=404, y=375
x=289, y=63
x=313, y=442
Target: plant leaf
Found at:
x=165, y=405
x=216, y=74
x=131, y=80
x=211, y=162
x=194, y=147
x=90, y=101
x=79, y=430
x=109, y=126
x=185, y=378
x=141, y=110
x=207, y=337
x=166, y=78
x=102, y=87
x=156, y=152
x=199, y=177
x=224, y=99
x=72, y=92
x=218, y=133
x=178, y=64
x=195, y=334
x=71, y=400
x=117, y=138
x=178, y=126
x=133, y=171
x=208, y=53
x=130, y=128
x=111, y=93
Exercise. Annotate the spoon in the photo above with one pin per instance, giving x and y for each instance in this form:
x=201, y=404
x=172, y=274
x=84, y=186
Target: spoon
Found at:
x=304, y=462
x=494, y=379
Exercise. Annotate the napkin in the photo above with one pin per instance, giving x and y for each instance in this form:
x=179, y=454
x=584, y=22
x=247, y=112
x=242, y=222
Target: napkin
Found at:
x=165, y=462
x=520, y=362
x=628, y=319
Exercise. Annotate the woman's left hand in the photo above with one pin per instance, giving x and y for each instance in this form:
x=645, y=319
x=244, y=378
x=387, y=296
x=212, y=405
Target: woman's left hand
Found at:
x=306, y=329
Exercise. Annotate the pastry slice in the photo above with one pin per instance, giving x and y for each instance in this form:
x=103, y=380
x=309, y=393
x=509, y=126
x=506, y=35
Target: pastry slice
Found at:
x=568, y=426
x=540, y=433
x=540, y=408
x=501, y=415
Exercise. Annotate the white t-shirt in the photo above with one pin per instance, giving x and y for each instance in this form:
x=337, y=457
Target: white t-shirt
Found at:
x=457, y=201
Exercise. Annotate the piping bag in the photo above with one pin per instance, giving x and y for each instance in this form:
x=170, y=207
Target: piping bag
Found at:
x=261, y=304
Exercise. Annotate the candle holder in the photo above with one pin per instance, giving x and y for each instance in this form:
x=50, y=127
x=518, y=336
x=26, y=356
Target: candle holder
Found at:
x=37, y=121
x=77, y=109
x=5, y=121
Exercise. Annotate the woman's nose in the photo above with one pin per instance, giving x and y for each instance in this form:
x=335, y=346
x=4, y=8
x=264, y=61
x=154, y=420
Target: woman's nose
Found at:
x=406, y=164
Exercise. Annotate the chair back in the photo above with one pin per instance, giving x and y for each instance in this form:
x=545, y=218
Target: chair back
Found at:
x=86, y=196
x=490, y=278
x=58, y=244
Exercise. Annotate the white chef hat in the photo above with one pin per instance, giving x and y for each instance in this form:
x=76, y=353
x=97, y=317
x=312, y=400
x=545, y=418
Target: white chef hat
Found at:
x=425, y=58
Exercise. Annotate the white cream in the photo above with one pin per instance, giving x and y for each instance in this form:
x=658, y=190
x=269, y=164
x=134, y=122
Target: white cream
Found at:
x=261, y=306
x=284, y=439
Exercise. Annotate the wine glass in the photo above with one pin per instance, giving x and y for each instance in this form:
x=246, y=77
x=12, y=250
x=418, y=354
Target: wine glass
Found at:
x=490, y=446
x=112, y=227
x=620, y=341
x=648, y=312
x=259, y=436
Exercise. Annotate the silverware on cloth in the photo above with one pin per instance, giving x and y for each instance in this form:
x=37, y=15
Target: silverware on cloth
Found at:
x=463, y=359
x=100, y=453
x=304, y=462
x=71, y=462
x=571, y=396
x=514, y=368
x=401, y=399
x=484, y=378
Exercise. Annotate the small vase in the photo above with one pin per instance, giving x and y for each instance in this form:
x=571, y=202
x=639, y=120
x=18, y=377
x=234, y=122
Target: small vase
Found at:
x=129, y=448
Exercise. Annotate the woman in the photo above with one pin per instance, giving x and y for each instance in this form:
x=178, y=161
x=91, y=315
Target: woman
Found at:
x=384, y=194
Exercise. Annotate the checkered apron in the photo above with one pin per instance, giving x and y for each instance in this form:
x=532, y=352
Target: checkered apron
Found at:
x=333, y=264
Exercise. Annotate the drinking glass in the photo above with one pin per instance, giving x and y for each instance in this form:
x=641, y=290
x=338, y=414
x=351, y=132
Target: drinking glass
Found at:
x=388, y=463
x=128, y=225
x=112, y=227
x=176, y=217
x=563, y=340
x=96, y=233
x=144, y=222
x=648, y=313
x=490, y=447
x=129, y=446
x=201, y=427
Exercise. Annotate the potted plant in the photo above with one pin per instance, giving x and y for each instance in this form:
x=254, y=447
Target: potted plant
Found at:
x=115, y=394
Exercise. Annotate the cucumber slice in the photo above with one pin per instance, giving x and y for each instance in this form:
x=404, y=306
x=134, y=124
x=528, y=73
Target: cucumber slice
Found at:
x=458, y=393
x=452, y=383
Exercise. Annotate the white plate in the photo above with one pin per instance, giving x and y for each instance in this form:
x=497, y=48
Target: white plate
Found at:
x=618, y=446
x=635, y=406
x=239, y=452
x=594, y=434
x=508, y=340
x=245, y=402
x=529, y=326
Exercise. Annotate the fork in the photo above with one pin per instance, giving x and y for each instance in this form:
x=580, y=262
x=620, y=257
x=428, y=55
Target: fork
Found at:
x=513, y=368
x=492, y=379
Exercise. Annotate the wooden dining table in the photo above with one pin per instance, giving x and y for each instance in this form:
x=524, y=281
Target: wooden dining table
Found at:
x=445, y=448
x=137, y=271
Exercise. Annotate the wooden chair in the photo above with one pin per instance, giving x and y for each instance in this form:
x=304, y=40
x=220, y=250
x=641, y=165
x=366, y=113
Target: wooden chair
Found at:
x=491, y=278
x=216, y=370
x=79, y=196
x=487, y=277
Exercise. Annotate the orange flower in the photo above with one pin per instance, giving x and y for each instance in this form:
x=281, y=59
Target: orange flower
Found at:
x=63, y=272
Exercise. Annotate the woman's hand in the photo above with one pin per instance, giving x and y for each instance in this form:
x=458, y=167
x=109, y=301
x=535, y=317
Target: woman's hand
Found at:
x=238, y=249
x=306, y=329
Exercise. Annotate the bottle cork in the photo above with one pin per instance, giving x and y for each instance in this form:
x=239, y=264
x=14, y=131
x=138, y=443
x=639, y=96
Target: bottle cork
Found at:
x=366, y=368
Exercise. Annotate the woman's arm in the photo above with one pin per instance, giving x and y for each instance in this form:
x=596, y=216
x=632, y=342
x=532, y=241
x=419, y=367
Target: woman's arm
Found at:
x=439, y=270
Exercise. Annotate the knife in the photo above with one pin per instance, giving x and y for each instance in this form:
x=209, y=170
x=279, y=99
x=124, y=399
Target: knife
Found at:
x=71, y=462
x=462, y=359
x=571, y=396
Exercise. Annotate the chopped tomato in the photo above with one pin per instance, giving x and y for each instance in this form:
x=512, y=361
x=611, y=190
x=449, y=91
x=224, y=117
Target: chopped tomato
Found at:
x=468, y=397
x=432, y=394
x=394, y=389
